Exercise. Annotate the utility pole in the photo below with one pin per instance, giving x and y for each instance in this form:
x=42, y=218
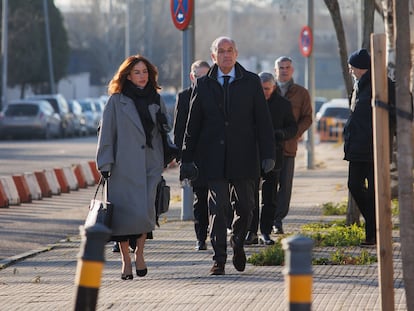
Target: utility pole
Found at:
x=4, y=39
x=127, y=27
x=49, y=48
x=310, y=85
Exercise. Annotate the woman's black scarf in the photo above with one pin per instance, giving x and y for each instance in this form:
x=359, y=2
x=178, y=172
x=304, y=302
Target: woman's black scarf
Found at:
x=142, y=99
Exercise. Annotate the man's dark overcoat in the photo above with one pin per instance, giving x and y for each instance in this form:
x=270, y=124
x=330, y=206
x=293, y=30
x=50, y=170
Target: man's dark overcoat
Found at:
x=233, y=143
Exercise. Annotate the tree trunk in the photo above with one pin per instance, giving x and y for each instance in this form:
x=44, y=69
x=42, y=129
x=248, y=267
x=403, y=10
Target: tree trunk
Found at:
x=405, y=140
x=368, y=23
x=335, y=13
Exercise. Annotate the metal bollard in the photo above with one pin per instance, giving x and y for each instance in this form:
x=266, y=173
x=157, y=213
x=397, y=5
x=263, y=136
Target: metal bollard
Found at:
x=187, y=196
x=90, y=265
x=298, y=272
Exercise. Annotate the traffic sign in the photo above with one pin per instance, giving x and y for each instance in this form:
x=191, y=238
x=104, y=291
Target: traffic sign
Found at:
x=181, y=12
x=306, y=41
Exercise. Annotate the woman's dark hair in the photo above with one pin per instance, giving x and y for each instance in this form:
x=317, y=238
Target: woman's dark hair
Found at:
x=118, y=80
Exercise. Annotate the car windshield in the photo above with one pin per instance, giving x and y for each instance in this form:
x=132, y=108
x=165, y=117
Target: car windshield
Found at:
x=21, y=110
x=336, y=112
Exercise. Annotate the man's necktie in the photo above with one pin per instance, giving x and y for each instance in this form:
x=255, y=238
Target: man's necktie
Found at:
x=226, y=94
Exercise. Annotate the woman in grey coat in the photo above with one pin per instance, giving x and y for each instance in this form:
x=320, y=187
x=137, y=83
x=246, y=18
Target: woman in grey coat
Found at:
x=130, y=156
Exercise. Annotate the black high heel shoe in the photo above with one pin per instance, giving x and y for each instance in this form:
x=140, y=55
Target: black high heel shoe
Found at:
x=142, y=272
x=127, y=276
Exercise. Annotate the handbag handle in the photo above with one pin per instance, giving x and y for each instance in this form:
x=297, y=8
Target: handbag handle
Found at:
x=102, y=182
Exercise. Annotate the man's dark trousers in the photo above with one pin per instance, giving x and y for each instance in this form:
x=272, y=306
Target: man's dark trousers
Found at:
x=358, y=173
x=218, y=202
x=200, y=211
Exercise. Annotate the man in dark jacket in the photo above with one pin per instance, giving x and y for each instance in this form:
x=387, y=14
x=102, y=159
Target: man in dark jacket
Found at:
x=200, y=209
x=284, y=128
x=358, y=141
x=230, y=123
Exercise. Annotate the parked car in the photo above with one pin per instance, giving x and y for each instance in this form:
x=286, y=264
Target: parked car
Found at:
x=28, y=119
x=331, y=118
x=319, y=101
x=79, y=119
x=60, y=105
x=99, y=106
x=92, y=116
x=169, y=101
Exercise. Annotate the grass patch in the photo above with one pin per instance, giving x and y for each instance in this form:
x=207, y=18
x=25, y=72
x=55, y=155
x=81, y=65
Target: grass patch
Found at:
x=331, y=234
x=331, y=208
x=271, y=256
x=334, y=234
x=341, y=258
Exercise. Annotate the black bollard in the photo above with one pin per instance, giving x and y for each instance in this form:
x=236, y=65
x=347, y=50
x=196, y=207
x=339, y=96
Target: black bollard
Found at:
x=298, y=272
x=90, y=265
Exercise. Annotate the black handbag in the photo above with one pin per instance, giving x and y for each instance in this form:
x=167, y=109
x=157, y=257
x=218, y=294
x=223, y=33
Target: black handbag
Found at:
x=162, y=199
x=100, y=211
x=171, y=151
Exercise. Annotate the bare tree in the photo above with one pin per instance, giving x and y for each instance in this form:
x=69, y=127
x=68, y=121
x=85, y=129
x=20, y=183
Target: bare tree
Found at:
x=404, y=140
x=335, y=12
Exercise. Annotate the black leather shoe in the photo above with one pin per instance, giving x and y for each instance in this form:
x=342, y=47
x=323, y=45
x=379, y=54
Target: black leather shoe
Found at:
x=278, y=230
x=368, y=243
x=217, y=268
x=201, y=246
x=251, y=238
x=127, y=277
x=142, y=272
x=239, y=256
x=265, y=239
x=115, y=248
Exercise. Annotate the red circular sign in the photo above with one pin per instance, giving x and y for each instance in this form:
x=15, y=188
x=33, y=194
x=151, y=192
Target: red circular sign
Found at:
x=306, y=41
x=181, y=12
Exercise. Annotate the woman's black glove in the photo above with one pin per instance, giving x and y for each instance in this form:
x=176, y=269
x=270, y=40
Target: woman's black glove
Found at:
x=105, y=174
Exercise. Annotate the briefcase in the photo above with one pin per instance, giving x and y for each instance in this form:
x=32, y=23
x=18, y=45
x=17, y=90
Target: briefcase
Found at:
x=100, y=210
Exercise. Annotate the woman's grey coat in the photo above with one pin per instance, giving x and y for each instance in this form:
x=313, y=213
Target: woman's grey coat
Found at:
x=135, y=169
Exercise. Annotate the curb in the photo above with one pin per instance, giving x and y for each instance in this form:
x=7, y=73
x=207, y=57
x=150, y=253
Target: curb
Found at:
x=12, y=260
x=94, y=170
x=80, y=176
x=71, y=178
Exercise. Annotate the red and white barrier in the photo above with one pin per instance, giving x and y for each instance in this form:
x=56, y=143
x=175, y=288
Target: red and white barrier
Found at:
x=22, y=188
x=10, y=190
x=53, y=182
x=34, y=188
x=71, y=178
x=43, y=184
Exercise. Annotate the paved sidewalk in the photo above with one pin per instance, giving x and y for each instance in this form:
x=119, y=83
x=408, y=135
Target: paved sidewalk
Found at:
x=178, y=277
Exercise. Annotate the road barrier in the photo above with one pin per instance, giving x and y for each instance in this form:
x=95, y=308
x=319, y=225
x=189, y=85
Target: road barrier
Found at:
x=43, y=184
x=34, y=188
x=80, y=176
x=4, y=200
x=27, y=187
x=53, y=182
x=71, y=178
x=95, y=172
x=10, y=190
x=22, y=188
x=61, y=178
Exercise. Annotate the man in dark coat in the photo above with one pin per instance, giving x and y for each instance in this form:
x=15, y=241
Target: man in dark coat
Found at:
x=284, y=127
x=200, y=209
x=230, y=121
x=358, y=141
